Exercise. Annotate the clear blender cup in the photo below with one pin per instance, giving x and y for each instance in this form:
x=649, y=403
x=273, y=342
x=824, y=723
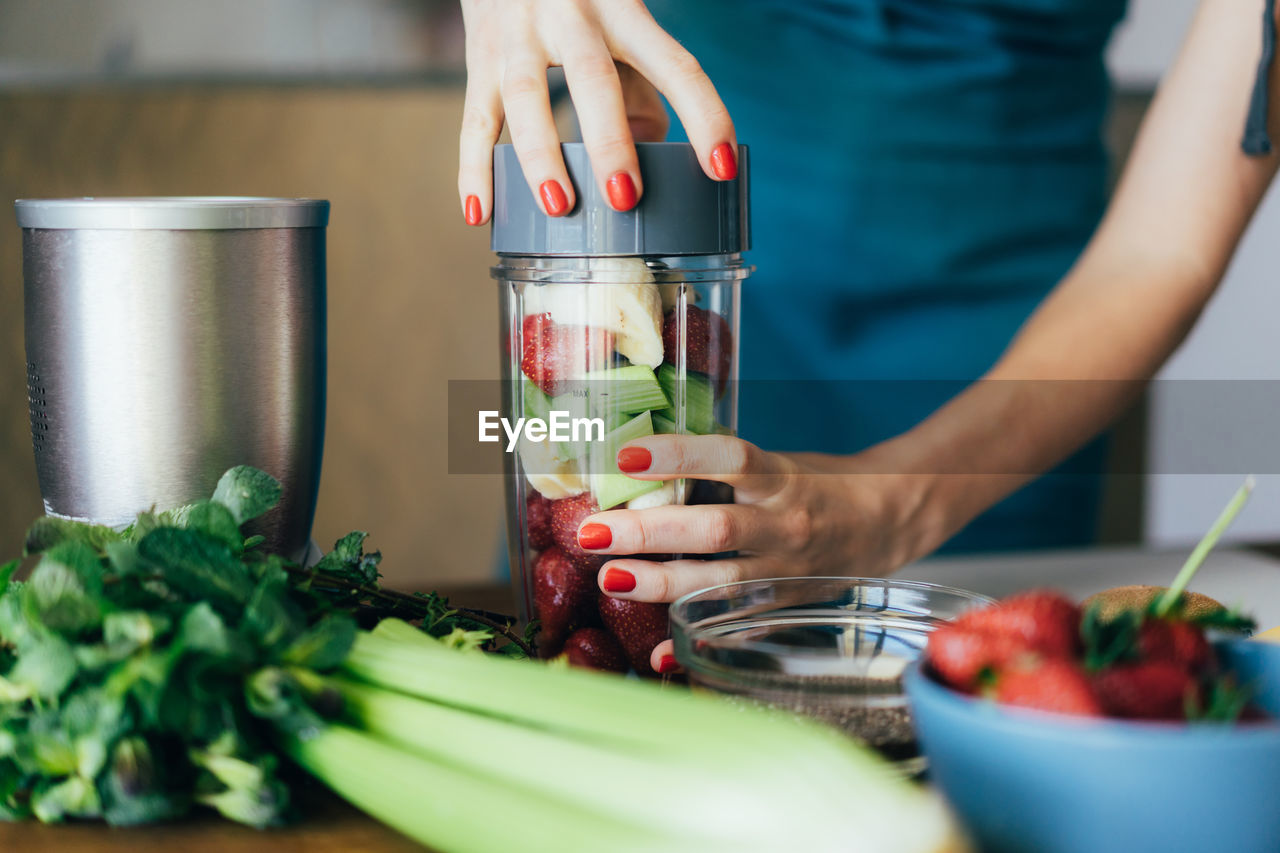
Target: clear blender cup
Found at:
x=615, y=326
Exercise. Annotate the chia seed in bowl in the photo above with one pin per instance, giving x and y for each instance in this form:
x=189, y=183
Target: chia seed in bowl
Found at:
x=833, y=649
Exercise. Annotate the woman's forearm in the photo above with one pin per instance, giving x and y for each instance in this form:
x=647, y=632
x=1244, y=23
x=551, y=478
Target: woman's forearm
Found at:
x=1157, y=257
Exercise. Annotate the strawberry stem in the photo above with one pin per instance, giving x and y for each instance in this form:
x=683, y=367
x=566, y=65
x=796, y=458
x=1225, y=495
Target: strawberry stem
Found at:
x=1166, y=602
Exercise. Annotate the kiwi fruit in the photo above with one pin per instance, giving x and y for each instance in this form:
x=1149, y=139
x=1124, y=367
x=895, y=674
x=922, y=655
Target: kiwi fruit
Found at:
x=1119, y=599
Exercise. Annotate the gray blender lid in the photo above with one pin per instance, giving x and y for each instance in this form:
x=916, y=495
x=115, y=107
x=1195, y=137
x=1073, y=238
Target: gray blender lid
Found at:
x=682, y=211
x=178, y=214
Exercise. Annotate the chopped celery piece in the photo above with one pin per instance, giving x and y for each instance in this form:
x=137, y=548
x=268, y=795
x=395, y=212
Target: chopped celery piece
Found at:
x=610, y=486
x=630, y=389
x=614, y=489
x=663, y=425
x=579, y=406
x=612, y=395
x=583, y=407
x=698, y=397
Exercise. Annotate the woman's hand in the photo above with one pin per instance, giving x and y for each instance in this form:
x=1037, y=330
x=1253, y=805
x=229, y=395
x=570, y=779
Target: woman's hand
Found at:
x=794, y=514
x=613, y=54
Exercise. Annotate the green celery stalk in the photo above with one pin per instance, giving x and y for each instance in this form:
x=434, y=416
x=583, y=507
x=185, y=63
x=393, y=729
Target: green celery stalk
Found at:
x=731, y=807
x=487, y=684
x=452, y=808
x=574, y=702
x=823, y=790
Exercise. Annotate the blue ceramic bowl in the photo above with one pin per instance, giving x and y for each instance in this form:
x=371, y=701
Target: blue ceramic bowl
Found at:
x=1048, y=783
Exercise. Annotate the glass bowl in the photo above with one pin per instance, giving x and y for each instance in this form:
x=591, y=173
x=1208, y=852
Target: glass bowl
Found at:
x=829, y=648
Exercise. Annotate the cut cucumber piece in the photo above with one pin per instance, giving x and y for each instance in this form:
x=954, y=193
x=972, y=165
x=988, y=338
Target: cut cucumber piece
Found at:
x=610, y=486
x=630, y=389
x=694, y=398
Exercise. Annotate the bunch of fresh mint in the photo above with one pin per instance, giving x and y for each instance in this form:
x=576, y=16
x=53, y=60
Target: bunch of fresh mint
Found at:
x=146, y=670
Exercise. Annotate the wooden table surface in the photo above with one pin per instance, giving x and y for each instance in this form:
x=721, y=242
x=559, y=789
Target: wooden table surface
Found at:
x=328, y=825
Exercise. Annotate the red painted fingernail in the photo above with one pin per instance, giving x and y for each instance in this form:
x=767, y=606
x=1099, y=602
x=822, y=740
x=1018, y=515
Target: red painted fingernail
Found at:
x=622, y=191
x=593, y=537
x=667, y=664
x=473, y=212
x=553, y=197
x=618, y=580
x=633, y=460
x=724, y=162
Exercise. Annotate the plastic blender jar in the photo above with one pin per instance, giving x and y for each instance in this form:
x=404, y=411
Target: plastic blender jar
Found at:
x=615, y=326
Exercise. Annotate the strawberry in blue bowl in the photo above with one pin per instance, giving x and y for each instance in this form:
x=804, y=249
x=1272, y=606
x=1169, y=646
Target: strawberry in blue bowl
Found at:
x=1054, y=729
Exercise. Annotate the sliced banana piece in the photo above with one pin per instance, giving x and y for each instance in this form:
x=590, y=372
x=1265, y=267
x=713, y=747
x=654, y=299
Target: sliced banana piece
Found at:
x=554, y=478
x=670, y=291
x=666, y=496
x=638, y=310
x=626, y=302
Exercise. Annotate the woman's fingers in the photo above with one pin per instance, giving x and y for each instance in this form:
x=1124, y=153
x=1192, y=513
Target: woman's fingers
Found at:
x=755, y=473
x=481, y=114
x=533, y=132
x=597, y=95
x=481, y=125
x=706, y=529
x=664, y=62
x=663, y=658
x=614, y=54
x=644, y=580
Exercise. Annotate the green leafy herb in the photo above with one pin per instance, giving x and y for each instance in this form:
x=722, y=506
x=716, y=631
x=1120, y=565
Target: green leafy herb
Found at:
x=247, y=492
x=145, y=671
x=347, y=560
x=1108, y=642
x=197, y=565
x=49, y=531
x=1225, y=701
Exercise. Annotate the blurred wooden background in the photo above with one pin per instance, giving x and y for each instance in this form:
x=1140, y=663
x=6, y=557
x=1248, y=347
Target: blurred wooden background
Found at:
x=411, y=304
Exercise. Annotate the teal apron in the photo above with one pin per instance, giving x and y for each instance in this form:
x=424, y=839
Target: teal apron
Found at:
x=923, y=173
